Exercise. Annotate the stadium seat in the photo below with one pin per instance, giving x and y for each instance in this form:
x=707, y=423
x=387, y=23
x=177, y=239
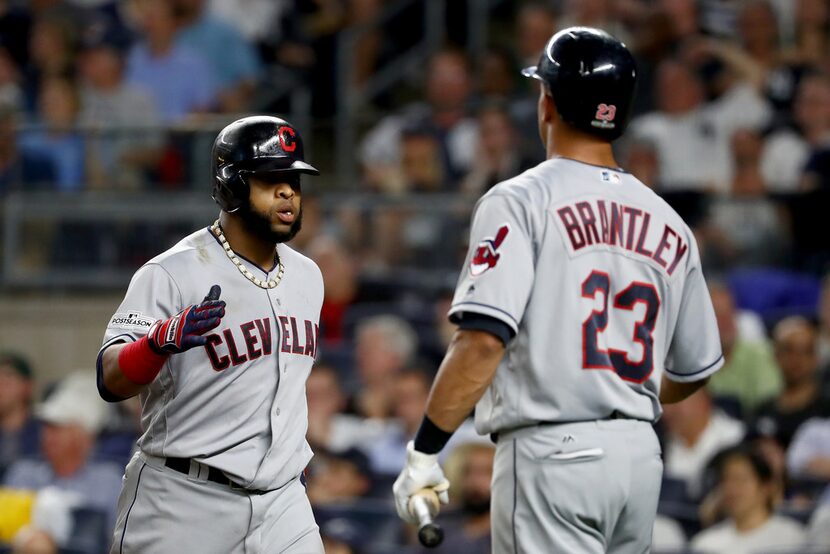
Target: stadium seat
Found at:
x=373, y=520
x=90, y=533
x=730, y=405
x=774, y=293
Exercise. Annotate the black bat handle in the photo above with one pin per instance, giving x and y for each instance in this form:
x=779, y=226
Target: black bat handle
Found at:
x=429, y=533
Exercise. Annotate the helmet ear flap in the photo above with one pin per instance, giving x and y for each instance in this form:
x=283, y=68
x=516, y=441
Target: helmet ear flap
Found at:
x=231, y=190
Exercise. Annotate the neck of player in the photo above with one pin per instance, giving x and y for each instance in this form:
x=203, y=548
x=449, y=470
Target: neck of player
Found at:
x=259, y=251
x=567, y=142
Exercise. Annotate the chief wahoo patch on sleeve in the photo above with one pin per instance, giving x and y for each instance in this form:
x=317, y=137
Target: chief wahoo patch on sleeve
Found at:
x=487, y=252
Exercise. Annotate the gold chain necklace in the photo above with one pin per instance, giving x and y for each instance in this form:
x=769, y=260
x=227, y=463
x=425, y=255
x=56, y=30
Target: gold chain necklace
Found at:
x=269, y=284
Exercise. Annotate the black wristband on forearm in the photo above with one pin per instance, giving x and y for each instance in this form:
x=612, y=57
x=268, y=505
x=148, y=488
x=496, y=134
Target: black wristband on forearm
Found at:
x=430, y=438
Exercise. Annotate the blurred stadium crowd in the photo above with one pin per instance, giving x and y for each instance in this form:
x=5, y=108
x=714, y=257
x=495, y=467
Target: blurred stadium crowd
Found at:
x=732, y=127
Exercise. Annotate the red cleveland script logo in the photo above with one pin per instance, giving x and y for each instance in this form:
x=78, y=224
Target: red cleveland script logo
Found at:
x=487, y=254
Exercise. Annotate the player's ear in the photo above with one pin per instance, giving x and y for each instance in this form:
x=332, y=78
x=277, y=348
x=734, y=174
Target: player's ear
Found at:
x=547, y=106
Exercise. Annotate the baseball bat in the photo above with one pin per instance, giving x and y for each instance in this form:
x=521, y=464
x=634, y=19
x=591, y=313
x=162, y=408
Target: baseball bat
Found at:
x=424, y=506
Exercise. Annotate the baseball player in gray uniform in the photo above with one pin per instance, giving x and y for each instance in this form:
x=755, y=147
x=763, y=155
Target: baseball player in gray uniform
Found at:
x=218, y=335
x=582, y=308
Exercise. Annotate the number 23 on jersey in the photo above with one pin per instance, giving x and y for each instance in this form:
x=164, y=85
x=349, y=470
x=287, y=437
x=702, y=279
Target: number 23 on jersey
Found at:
x=595, y=355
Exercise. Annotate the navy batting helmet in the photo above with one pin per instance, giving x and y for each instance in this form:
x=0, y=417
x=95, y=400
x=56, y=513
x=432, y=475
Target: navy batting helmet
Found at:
x=591, y=77
x=256, y=144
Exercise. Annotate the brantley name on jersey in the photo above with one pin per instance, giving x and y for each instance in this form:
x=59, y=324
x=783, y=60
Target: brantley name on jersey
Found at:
x=599, y=223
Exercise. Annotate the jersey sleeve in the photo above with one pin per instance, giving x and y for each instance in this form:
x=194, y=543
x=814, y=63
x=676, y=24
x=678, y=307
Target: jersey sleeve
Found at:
x=695, y=351
x=152, y=295
x=498, y=272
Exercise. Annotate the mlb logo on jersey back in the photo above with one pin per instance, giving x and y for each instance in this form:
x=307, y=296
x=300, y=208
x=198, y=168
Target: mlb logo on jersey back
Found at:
x=487, y=253
x=611, y=177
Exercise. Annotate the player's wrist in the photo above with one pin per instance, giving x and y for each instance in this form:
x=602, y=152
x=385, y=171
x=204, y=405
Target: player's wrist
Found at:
x=430, y=438
x=152, y=338
x=139, y=362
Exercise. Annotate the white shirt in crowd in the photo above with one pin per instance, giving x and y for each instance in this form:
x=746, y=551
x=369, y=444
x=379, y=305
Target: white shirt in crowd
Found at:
x=667, y=535
x=782, y=162
x=349, y=431
x=778, y=533
x=256, y=19
x=688, y=462
x=812, y=440
x=694, y=149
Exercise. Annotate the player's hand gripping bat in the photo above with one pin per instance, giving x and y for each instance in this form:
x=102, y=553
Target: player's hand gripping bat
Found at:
x=424, y=507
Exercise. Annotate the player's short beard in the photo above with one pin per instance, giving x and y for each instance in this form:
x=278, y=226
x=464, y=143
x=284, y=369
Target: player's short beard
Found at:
x=259, y=225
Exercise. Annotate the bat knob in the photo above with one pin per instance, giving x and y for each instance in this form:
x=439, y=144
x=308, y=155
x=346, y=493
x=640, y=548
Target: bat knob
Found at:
x=430, y=535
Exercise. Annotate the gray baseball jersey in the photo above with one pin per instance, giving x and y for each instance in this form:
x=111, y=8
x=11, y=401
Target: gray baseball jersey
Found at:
x=238, y=403
x=600, y=280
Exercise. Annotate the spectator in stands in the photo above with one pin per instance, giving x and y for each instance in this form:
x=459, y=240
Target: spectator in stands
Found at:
x=180, y=80
x=408, y=397
x=52, y=51
x=56, y=137
x=341, y=536
x=667, y=535
x=421, y=168
x=19, y=431
x=470, y=470
x=448, y=90
x=11, y=93
x=685, y=130
x=749, y=373
x=20, y=169
x=684, y=17
x=695, y=431
x=535, y=23
x=745, y=228
x=812, y=42
x=817, y=171
x=121, y=116
x=653, y=40
x=498, y=154
x=640, y=159
x=593, y=13
x=497, y=75
x=340, y=275
x=760, y=56
x=809, y=454
x=746, y=487
x=235, y=63
x=824, y=327
x=72, y=416
x=787, y=150
x=796, y=352
x=435, y=343
x=34, y=541
x=338, y=477
x=40, y=522
x=15, y=28
x=257, y=20
x=384, y=345
x=328, y=428
x=818, y=532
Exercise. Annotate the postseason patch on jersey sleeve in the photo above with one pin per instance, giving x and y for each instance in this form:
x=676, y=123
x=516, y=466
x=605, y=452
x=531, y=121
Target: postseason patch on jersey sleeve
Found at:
x=131, y=321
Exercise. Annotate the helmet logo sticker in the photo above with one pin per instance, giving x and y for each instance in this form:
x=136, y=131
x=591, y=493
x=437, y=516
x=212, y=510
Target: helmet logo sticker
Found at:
x=605, y=116
x=287, y=135
x=487, y=254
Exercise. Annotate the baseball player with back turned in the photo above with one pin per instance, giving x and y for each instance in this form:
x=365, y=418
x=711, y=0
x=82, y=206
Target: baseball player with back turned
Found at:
x=218, y=335
x=582, y=308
